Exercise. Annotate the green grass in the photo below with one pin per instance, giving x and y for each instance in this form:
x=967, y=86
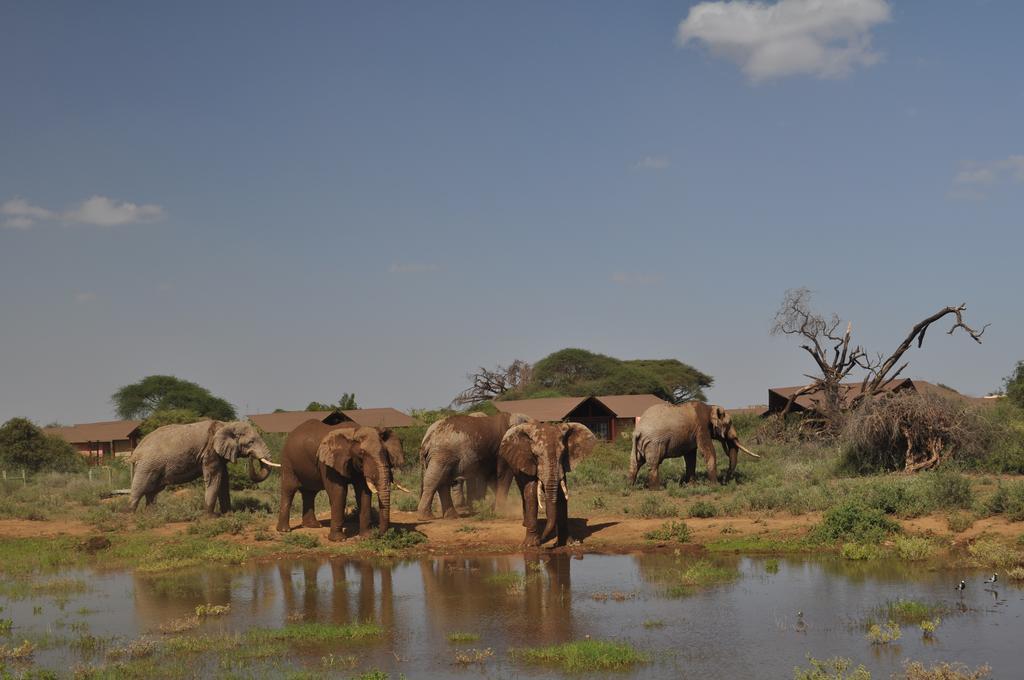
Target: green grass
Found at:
x=303, y=541
x=314, y=633
x=836, y=668
x=701, y=574
x=861, y=551
x=854, y=522
x=655, y=507
x=670, y=531
x=991, y=552
x=909, y=611
x=457, y=637
x=760, y=544
x=913, y=548
x=584, y=656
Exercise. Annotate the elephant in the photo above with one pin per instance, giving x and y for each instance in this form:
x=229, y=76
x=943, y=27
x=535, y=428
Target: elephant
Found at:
x=539, y=456
x=175, y=454
x=670, y=431
x=318, y=457
x=463, y=447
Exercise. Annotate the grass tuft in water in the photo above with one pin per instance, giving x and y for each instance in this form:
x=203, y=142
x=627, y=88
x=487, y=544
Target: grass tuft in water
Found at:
x=314, y=633
x=909, y=611
x=883, y=635
x=457, y=637
x=583, y=656
x=700, y=575
x=836, y=668
x=915, y=670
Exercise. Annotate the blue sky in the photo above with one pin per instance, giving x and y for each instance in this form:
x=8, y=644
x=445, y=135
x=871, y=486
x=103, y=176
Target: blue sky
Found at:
x=286, y=202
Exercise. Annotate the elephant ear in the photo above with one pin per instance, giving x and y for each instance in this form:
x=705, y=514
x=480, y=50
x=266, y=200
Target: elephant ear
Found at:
x=719, y=420
x=393, y=444
x=225, y=442
x=517, y=449
x=579, y=441
x=338, y=449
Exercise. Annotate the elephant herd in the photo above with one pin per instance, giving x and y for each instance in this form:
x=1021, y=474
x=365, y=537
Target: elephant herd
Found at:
x=477, y=450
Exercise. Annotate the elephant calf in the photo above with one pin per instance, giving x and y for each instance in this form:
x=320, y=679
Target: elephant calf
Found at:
x=539, y=456
x=176, y=454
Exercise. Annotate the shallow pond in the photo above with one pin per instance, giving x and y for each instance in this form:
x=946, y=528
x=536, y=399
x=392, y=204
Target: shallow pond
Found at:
x=746, y=628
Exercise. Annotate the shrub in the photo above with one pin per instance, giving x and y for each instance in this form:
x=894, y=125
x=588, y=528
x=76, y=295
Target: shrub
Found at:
x=835, y=668
x=1008, y=499
x=23, y=446
x=915, y=670
x=670, y=531
x=989, y=552
x=852, y=521
x=959, y=521
x=703, y=509
x=654, y=507
x=923, y=429
x=913, y=548
x=299, y=540
x=949, y=489
x=860, y=551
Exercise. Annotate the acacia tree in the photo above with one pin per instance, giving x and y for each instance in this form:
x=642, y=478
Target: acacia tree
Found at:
x=487, y=384
x=165, y=392
x=836, y=357
x=347, y=402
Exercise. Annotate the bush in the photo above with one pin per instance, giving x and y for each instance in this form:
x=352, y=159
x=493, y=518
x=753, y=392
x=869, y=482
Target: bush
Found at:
x=913, y=548
x=23, y=446
x=924, y=429
x=860, y=551
x=670, y=531
x=949, y=490
x=959, y=521
x=654, y=507
x=703, y=509
x=1008, y=499
x=852, y=521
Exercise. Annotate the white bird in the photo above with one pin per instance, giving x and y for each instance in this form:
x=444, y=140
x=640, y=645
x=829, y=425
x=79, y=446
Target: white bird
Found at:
x=995, y=577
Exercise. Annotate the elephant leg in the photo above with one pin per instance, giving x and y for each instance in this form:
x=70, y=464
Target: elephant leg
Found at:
x=528, y=489
x=459, y=495
x=504, y=482
x=447, y=506
x=151, y=497
x=337, y=494
x=213, y=481
x=654, y=476
x=562, y=520
x=365, y=503
x=224, y=495
x=690, y=458
x=309, y=519
x=284, y=513
x=434, y=479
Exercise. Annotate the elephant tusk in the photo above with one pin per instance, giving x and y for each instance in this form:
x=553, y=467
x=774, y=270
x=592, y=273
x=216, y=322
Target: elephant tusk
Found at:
x=747, y=451
x=400, y=487
x=565, y=489
x=269, y=463
x=373, y=487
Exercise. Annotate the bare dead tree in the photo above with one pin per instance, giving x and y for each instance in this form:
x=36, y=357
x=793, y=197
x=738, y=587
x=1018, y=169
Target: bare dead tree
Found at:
x=836, y=357
x=487, y=384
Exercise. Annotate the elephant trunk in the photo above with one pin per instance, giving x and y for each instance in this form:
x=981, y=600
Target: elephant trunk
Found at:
x=258, y=470
x=384, y=495
x=551, y=500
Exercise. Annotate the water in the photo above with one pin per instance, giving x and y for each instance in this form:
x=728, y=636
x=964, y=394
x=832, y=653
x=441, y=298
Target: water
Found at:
x=746, y=629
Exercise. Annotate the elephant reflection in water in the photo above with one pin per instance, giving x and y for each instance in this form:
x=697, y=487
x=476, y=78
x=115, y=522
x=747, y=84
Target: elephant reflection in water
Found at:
x=459, y=593
x=309, y=600
x=158, y=599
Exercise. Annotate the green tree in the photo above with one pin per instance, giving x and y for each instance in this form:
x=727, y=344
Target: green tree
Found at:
x=1015, y=385
x=171, y=416
x=23, y=445
x=578, y=372
x=166, y=392
x=346, y=403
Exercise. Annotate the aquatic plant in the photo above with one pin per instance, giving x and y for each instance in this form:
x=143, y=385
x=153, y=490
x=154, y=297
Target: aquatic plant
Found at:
x=929, y=626
x=468, y=656
x=699, y=575
x=583, y=656
x=915, y=670
x=771, y=566
x=909, y=611
x=457, y=637
x=654, y=623
x=836, y=668
x=675, y=530
x=883, y=635
x=205, y=610
x=21, y=652
x=5, y=626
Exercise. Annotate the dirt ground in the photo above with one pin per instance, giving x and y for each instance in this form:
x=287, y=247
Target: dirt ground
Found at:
x=596, y=534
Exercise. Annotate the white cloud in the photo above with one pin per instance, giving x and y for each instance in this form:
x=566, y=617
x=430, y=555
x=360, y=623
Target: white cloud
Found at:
x=411, y=268
x=652, y=163
x=85, y=296
x=98, y=210
x=104, y=212
x=22, y=214
x=823, y=38
x=635, y=279
x=990, y=172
